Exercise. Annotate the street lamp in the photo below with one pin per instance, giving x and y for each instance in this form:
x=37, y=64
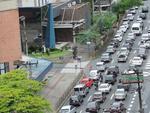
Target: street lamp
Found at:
x=88, y=44
x=22, y=19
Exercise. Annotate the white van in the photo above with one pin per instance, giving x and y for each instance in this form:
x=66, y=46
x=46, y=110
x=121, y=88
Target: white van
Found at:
x=81, y=89
x=136, y=29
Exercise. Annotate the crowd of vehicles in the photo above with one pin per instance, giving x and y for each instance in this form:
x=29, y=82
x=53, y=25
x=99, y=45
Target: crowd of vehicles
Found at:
x=103, y=77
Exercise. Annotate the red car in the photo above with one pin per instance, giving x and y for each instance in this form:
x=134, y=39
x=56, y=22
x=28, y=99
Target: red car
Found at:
x=87, y=81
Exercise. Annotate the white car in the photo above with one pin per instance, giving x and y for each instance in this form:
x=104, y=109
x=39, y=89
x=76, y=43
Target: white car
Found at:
x=124, y=51
x=145, y=37
x=126, y=24
x=94, y=75
x=123, y=28
x=131, y=36
x=105, y=87
x=136, y=61
x=118, y=37
x=120, y=94
x=120, y=32
x=130, y=17
x=68, y=109
x=100, y=66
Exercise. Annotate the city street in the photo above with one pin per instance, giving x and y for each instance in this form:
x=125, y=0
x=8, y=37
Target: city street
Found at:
x=132, y=101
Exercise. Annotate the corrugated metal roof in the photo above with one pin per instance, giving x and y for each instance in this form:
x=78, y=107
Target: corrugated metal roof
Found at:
x=8, y=5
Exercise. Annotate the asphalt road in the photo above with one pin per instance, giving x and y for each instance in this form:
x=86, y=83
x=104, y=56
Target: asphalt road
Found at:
x=131, y=102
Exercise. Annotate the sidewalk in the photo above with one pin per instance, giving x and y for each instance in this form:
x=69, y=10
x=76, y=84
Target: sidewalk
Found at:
x=62, y=78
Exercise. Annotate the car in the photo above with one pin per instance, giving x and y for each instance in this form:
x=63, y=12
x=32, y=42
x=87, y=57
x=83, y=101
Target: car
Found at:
x=148, y=31
x=120, y=94
x=94, y=74
x=68, y=109
x=118, y=37
x=130, y=16
x=126, y=24
x=116, y=107
x=81, y=89
x=93, y=107
x=130, y=41
x=145, y=9
x=115, y=43
x=120, y=85
x=131, y=36
x=145, y=37
x=111, y=79
x=87, y=81
x=120, y=32
x=101, y=66
x=124, y=50
x=110, y=49
x=136, y=61
x=105, y=88
x=147, y=43
x=140, y=20
x=113, y=69
x=76, y=100
x=123, y=28
x=142, y=53
x=122, y=58
x=128, y=46
x=143, y=15
x=99, y=96
x=106, y=57
x=132, y=10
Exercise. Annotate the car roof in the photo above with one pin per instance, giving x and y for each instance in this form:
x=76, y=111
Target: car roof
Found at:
x=100, y=63
x=121, y=89
x=79, y=86
x=94, y=71
x=98, y=92
x=104, y=84
x=66, y=107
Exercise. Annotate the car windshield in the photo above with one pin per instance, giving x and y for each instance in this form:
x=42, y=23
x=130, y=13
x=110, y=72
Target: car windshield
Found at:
x=121, y=56
x=64, y=111
x=103, y=86
x=91, y=105
x=135, y=28
x=120, y=91
x=105, y=56
x=136, y=58
x=115, y=105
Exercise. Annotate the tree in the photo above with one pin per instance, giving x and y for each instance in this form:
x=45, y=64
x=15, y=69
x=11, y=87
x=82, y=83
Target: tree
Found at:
x=18, y=94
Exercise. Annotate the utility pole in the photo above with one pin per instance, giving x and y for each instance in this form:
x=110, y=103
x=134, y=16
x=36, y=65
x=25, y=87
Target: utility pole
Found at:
x=139, y=92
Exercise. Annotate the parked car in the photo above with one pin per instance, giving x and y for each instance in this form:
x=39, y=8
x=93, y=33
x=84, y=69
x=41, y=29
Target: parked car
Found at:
x=145, y=9
x=115, y=43
x=101, y=66
x=123, y=28
x=145, y=37
x=68, y=109
x=132, y=10
x=125, y=49
x=127, y=46
x=111, y=79
x=122, y=58
x=116, y=107
x=130, y=16
x=126, y=24
x=130, y=41
x=118, y=37
x=136, y=61
x=106, y=57
x=104, y=88
x=120, y=94
x=87, y=81
x=99, y=96
x=142, y=53
x=81, y=90
x=110, y=49
x=76, y=100
x=131, y=36
x=143, y=15
x=93, y=107
x=94, y=74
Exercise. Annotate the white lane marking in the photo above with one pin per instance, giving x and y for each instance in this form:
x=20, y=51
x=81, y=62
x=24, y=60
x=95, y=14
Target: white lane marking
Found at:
x=134, y=51
x=134, y=95
x=146, y=74
x=89, y=98
x=136, y=92
x=112, y=61
x=132, y=102
x=128, y=112
x=129, y=109
x=130, y=61
x=130, y=105
x=111, y=96
x=81, y=111
x=133, y=99
x=117, y=53
x=139, y=43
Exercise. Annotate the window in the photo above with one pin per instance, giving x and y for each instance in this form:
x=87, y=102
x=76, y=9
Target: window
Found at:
x=4, y=67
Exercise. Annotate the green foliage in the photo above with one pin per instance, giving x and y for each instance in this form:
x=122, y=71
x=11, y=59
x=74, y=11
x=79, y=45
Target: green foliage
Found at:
x=123, y=5
x=18, y=94
x=102, y=21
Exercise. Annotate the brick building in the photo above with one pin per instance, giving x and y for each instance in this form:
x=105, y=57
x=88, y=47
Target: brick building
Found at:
x=10, y=44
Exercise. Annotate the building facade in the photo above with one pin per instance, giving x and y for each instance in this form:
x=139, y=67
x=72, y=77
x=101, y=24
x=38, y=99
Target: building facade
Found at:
x=10, y=44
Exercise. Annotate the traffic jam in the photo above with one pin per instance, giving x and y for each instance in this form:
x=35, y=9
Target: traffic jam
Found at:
x=108, y=85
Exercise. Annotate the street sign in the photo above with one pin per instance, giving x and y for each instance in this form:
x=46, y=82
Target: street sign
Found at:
x=127, y=79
